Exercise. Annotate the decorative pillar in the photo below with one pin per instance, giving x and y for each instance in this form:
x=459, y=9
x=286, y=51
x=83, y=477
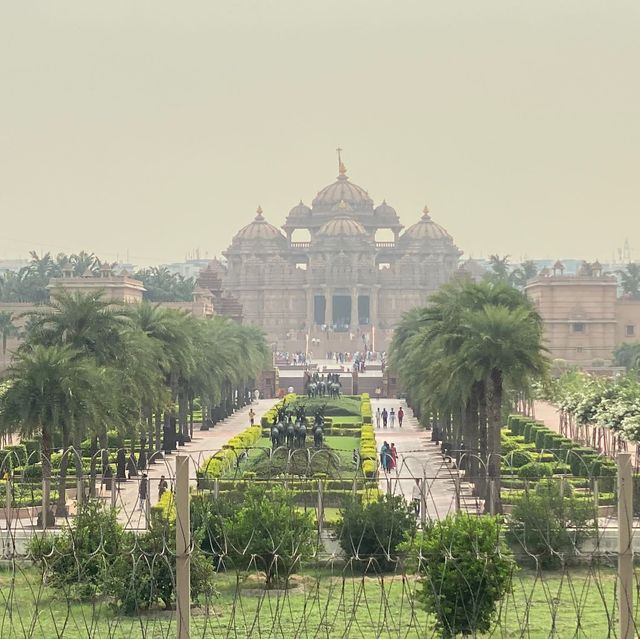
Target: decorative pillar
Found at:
x=373, y=307
x=310, y=318
x=328, y=312
x=354, y=309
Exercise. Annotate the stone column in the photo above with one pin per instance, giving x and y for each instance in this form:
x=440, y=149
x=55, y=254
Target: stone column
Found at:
x=310, y=317
x=373, y=306
x=328, y=313
x=354, y=309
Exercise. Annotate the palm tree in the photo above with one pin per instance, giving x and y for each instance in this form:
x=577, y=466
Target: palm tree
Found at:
x=50, y=390
x=523, y=273
x=628, y=355
x=94, y=327
x=432, y=352
x=630, y=280
x=499, y=266
x=500, y=343
x=7, y=328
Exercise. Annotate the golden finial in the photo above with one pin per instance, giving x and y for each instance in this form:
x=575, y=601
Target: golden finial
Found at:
x=425, y=211
x=342, y=169
x=259, y=213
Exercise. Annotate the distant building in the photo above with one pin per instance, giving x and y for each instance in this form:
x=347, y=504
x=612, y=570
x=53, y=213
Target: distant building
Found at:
x=189, y=268
x=120, y=288
x=341, y=285
x=12, y=265
x=584, y=319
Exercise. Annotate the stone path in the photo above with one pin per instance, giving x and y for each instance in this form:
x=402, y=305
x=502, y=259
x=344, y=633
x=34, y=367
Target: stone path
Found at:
x=203, y=445
x=419, y=457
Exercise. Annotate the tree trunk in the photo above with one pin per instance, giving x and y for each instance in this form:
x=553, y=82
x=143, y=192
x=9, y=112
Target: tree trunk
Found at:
x=93, y=471
x=183, y=409
x=494, y=414
x=61, y=504
x=103, y=442
x=158, y=432
x=482, y=440
x=46, y=476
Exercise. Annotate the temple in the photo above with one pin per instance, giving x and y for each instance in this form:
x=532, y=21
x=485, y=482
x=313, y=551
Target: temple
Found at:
x=349, y=278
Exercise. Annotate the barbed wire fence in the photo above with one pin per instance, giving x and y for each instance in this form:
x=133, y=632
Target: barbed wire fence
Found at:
x=242, y=555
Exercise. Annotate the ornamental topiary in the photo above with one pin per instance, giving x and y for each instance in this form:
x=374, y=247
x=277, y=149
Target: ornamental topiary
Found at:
x=535, y=470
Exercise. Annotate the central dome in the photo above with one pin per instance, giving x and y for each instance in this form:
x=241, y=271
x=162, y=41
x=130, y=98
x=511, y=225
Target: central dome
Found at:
x=342, y=190
x=342, y=226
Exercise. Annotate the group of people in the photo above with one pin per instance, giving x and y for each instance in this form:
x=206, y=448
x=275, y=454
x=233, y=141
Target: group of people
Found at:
x=296, y=359
x=388, y=418
x=388, y=457
x=143, y=489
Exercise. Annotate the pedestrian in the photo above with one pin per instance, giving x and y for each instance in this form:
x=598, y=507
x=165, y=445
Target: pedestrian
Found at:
x=384, y=457
x=378, y=417
x=392, y=418
x=394, y=456
x=385, y=417
x=162, y=487
x=416, y=497
x=400, y=416
x=143, y=490
x=252, y=416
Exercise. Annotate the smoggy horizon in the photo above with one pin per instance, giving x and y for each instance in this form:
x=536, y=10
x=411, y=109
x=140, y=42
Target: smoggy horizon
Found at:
x=148, y=131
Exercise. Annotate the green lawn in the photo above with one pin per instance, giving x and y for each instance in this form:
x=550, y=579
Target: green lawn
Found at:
x=325, y=604
x=259, y=462
x=347, y=405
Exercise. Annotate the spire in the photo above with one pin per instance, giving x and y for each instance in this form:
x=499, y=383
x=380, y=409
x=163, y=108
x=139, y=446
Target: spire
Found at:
x=259, y=215
x=425, y=213
x=342, y=169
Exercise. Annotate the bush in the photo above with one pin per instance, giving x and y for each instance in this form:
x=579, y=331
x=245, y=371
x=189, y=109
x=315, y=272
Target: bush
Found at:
x=464, y=572
x=144, y=572
x=371, y=533
x=80, y=558
x=18, y=454
x=550, y=528
x=518, y=458
x=535, y=470
x=268, y=533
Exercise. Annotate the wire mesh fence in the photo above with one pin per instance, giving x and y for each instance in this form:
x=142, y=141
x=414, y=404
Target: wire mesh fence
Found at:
x=309, y=547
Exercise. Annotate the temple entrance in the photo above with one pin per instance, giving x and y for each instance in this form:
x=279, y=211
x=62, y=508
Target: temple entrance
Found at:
x=363, y=310
x=341, y=312
x=319, y=310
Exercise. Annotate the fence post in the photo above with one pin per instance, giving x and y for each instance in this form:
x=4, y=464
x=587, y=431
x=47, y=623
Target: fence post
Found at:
x=456, y=482
x=596, y=496
x=216, y=488
x=183, y=548
x=625, y=548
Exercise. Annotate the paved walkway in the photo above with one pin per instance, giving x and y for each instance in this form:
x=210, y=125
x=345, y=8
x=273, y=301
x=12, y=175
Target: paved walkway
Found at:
x=203, y=445
x=419, y=457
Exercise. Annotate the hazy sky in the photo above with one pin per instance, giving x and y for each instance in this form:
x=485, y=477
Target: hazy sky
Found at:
x=157, y=127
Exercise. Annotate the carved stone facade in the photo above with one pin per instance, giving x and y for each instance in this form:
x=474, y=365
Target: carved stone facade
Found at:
x=340, y=279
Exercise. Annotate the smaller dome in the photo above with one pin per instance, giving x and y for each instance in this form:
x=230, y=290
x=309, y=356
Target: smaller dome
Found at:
x=342, y=226
x=259, y=230
x=299, y=210
x=384, y=210
x=425, y=229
